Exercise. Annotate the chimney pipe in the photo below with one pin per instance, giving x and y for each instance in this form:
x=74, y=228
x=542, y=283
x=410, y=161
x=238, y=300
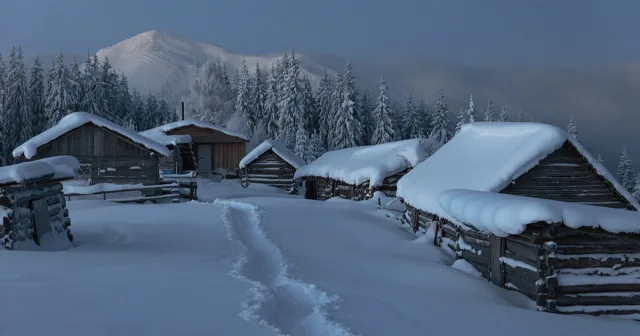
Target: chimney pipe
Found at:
x=182, y=110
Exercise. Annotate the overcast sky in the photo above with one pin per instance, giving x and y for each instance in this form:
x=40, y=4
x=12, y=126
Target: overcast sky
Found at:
x=542, y=32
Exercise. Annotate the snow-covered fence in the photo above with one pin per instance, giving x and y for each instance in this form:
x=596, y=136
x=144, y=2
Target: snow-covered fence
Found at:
x=568, y=258
x=162, y=191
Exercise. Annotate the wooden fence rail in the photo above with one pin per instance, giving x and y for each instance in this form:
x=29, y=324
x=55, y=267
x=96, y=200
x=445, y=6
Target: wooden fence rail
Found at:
x=171, y=190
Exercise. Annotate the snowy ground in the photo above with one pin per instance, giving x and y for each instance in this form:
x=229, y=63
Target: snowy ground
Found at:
x=256, y=266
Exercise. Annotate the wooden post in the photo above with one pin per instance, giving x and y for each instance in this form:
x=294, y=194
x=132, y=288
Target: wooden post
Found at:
x=182, y=110
x=104, y=196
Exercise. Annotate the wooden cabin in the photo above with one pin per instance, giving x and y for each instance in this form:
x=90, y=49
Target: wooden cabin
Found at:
x=271, y=163
x=357, y=173
x=107, y=152
x=182, y=159
x=212, y=149
x=526, y=159
x=568, y=258
x=33, y=206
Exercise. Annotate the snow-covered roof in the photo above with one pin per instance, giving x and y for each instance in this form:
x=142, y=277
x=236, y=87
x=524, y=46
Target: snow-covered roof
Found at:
x=57, y=167
x=367, y=163
x=191, y=122
x=503, y=214
x=279, y=148
x=487, y=156
x=157, y=134
x=77, y=119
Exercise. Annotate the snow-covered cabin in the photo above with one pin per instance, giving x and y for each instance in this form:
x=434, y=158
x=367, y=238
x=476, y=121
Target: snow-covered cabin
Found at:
x=356, y=173
x=271, y=163
x=527, y=159
x=107, y=152
x=32, y=205
x=569, y=258
x=208, y=148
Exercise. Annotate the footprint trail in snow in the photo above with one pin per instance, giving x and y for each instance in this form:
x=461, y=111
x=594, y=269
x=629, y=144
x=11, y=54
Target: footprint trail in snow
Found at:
x=283, y=305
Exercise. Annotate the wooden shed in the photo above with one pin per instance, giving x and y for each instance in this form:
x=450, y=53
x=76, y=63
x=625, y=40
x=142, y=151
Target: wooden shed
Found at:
x=107, y=152
x=356, y=173
x=212, y=149
x=568, y=258
x=33, y=207
x=526, y=159
x=271, y=163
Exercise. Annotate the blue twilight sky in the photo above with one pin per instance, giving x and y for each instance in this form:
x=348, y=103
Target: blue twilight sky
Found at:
x=542, y=32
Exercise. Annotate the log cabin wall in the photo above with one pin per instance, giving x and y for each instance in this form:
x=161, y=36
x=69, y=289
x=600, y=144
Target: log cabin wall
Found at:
x=565, y=175
x=270, y=169
x=105, y=156
x=327, y=188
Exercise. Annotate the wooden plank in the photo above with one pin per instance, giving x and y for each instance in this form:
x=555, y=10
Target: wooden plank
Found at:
x=482, y=259
x=524, y=279
x=628, y=287
x=527, y=253
x=587, y=262
x=143, y=198
x=596, y=249
x=599, y=299
x=484, y=270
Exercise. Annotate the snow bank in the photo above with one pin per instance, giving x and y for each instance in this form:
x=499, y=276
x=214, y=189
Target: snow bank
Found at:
x=158, y=135
x=74, y=120
x=487, y=156
x=58, y=167
x=190, y=122
x=278, y=147
x=503, y=214
x=367, y=163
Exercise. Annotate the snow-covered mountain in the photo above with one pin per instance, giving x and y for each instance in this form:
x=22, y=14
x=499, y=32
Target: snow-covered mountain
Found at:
x=163, y=63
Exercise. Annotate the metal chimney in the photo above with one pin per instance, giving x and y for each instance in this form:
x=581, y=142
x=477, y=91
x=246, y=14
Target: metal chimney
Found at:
x=182, y=110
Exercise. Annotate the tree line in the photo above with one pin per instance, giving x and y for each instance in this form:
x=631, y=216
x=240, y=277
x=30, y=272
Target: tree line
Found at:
x=31, y=103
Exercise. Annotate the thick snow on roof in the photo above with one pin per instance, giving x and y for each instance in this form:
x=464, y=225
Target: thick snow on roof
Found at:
x=367, y=163
x=190, y=122
x=158, y=135
x=278, y=147
x=503, y=214
x=77, y=119
x=487, y=156
x=57, y=167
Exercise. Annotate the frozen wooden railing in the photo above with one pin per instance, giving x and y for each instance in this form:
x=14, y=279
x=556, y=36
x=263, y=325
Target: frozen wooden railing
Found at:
x=187, y=183
x=162, y=191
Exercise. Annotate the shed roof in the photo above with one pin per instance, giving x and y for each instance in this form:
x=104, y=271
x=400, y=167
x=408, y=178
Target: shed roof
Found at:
x=487, y=156
x=77, y=119
x=278, y=147
x=57, y=167
x=197, y=123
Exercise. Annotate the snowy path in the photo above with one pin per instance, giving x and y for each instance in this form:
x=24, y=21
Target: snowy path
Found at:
x=281, y=304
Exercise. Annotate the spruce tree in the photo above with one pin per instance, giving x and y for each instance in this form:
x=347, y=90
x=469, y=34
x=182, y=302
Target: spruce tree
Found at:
x=412, y=123
x=471, y=112
x=136, y=118
x=383, y=126
x=315, y=148
x=123, y=100
x=258, y=94
x=572, y=128
x=301, y=147
x=425, y=117
x=636, y=188
x=76, y=93
x=3, y=120
x=36, y=99
x=348, y=127
x=18, y=125
x=151, y=116
x=336, y=106
x=624, y=173
x=504, y=114
x=57, y=102
x=92, y=90
x=109, y=82
x=325, y=107
x=310, y=106
x=440, y=128
x=367, y=105
x=490, y=113
x=168, y=115
x=291, y=105
x=271, y=106
x=462, y=119
x=243, y=101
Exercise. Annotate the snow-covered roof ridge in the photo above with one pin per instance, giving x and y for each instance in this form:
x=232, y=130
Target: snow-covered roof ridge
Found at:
x=366, y=163
x=503, y=214
x=198, y=123
x=278, y=147
x=487, y=156
x=57, y=168
x=78, y=119
x=160, y=136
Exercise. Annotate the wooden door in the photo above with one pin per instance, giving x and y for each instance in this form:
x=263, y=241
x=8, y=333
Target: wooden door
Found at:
x=310, y=191
x=495, y=265
x=205, y=163
x=41, y=219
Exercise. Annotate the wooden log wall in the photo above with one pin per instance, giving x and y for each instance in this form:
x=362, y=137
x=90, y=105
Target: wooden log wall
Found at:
x=270, y=169
x=565, y=175
x=328, y=188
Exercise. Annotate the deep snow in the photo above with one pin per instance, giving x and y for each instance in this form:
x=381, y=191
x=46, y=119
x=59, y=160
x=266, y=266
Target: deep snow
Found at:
x=251, y=266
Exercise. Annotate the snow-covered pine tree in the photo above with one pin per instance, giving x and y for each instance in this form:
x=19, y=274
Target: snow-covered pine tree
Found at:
x=348, y=127
x=635, y=193
x=109, y=82
x=151, y=116
x=315, y=148
x=520, y=116
x=572, y=128
x=57, y=101
x=76, y=91
x=624, y=173
x=243, y=101
x=301, y=147
x=259, y=135
x=271, y=113
x=490, y=113
x=92, y=96
x=17, y=104
x=412, y=124
x=258, y=95
x=291, y=104
x=166, y=112
x=310, y=106
x=383, y=131
x=136, y=118
x=462, y=119
x=471, y=112
x=504, y=114
x=123, y=100
x=425, y=117
x=325, y=91
x=367, y=105
x=440, y=128
x=395, y=112
x=36, y=98
x=3, y=120
x=336, y=106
